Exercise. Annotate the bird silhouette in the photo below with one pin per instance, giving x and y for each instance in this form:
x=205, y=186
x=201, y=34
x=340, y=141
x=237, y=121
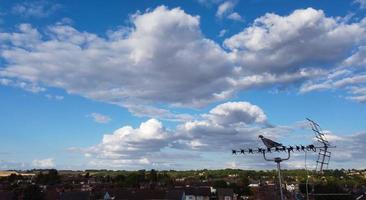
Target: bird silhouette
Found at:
x=269, y=143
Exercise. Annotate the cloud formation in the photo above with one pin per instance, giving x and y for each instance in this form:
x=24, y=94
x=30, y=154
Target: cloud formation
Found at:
x=100, y=118
x=144, y=64
x=228, y=125
x=44, y=163
x=362, y=3
x=226, y=8
x=231, y=125
x=304, y=38
x=164, y=58
x=129, y=146
x=36, y=9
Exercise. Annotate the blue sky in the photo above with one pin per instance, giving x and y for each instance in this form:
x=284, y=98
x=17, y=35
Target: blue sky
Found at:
x=177, y=84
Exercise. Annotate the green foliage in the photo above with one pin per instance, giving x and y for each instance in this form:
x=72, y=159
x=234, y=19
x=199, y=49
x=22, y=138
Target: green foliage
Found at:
x=50, y=178
x=220, y=184
x=14, y=177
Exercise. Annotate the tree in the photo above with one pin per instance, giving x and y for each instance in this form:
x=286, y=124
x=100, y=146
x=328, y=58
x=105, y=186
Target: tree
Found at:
x=153, y=176
x=14, y=177
x=220, y=184
x=49, y=178
x=119, y=180
x=87, y=175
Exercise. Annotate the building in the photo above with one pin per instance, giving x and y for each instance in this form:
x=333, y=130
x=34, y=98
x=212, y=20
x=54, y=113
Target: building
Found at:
x=198, y=193
x=225, y=194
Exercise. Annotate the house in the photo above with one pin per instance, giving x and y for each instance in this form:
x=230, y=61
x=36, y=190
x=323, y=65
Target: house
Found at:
x=133, y=194
x=107, y=196
x=291, y=187
x=175, y=194
x=200, y=193
x=253, y=185
x=225, y=194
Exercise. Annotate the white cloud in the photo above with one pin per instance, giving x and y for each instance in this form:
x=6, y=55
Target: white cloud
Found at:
x=349, y=150
x=235, y=16
x=305, y=46
x=286, y=43
x=272, y=79
x=100, y=118
x=11, y=165
x=237, y=112
x=362, y=3
x=209, y=2
x=54, y=97
x=222, y=32
x=148, y=65
x=354, y=83
x=35, y=9
x=153, y=112
x=25, y=85
x=44, y=163
x=231, y=125
x=129, y=146
x=226, y=126
x=232, y=165
x=358, y=98
x=164, y=59
x=225, y=8
x=358, y=59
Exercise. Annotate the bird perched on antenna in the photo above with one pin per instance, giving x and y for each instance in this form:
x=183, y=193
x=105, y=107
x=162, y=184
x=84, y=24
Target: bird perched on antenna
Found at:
x=269, y=143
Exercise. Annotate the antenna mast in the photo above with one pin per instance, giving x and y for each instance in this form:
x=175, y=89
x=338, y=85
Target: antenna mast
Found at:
x=324, y=153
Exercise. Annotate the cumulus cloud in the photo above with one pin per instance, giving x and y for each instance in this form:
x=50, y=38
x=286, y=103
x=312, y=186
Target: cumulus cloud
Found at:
x=237, y=112
x=44, y=163
x=35, y=9
x=164, y=59
x=235, y=16
x=129, y=145
x=231, y=125
x=306, y=37
x=226, y=8
x=149, y=64
x=100, y=118
x=305, y=45
x=226, y=126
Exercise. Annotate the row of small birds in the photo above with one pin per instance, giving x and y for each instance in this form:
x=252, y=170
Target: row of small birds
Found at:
x=276, y=149
x=274, y=146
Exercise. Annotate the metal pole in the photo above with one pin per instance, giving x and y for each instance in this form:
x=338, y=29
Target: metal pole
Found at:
x=278, y=161
x=307, y=187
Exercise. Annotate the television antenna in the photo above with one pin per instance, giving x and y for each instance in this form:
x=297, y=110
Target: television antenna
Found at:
x=272, y=146
x=324, y=153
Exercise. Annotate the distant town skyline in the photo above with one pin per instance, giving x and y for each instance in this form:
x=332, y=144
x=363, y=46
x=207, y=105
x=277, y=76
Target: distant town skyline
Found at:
x=178, y=84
